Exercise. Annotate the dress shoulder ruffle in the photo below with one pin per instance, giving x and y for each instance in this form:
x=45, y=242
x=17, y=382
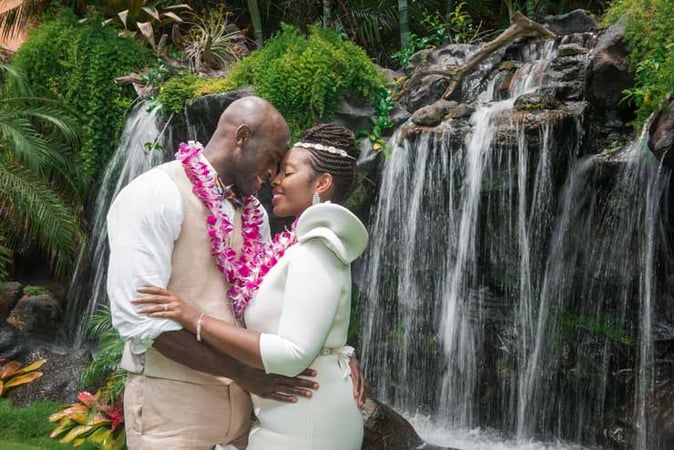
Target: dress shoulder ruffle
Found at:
x=339, y=228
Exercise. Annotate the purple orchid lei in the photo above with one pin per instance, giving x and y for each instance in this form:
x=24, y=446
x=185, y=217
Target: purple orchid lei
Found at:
x=243, y=272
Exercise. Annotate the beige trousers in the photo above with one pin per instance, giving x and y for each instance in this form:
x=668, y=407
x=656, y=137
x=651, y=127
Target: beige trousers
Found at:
x=164, y=414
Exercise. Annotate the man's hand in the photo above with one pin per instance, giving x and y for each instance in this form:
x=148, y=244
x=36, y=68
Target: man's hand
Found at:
x=359, y=388
x=277, y=387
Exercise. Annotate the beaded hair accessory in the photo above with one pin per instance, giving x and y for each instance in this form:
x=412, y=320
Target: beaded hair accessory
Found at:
x=324, y=148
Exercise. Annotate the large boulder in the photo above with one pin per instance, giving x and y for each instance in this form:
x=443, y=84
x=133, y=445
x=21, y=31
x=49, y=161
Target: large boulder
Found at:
x=661, y=135
x=609, y=72
x=39, y=314
x=9, y=297
x=576, y=21
x=385, y=429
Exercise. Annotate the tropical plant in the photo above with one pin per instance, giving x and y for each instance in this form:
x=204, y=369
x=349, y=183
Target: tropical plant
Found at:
x=213, y=42
x=145, y=19
x=33, y=212
x=105, y=365
x=73, y=62
x=5, y=259
x=13, y=375
x=95, y=419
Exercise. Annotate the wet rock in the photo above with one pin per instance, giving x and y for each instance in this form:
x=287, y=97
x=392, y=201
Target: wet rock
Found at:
x=61, y=379
x=576, y=21
x=433, y=114
x=11, y=343
x=354, y=113
x=205, y=111
x=11, y=293
x=385, y=429
x=661, y=135
x=609, y=72
x=36, y=314
x=536, y=101
x=571, y=50
x=426, y=89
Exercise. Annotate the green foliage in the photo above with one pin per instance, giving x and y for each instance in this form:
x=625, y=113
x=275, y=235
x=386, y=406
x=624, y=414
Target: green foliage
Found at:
x=650, y=39
x=305, y=76
x=5, y=259
x=435, y=35
x=105, y=365
x=38, y=189
x=176, y=91
x=383, y=104
x=27, y=428
x=78, y=63
x=31, y=290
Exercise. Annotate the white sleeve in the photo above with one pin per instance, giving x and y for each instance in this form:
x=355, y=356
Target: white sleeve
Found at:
x=313, y=289
x=143, y=223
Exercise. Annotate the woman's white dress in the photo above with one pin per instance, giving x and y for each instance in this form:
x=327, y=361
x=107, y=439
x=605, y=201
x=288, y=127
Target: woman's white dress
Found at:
x=302, y=310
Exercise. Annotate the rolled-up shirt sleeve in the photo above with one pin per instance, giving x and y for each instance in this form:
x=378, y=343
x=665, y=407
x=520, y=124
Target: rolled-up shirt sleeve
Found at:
x=312, y=294
x=143, y=222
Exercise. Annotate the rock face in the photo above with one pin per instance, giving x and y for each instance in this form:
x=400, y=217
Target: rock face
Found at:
x=385, y=429
x=12, y=292
x=608, y=75
x=576, y=21
x=661, y=135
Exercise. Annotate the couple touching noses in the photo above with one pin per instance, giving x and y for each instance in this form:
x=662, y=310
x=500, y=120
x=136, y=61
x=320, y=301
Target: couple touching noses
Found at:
x=213, y=309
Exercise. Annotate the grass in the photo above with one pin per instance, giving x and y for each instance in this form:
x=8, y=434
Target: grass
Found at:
x=28, y=428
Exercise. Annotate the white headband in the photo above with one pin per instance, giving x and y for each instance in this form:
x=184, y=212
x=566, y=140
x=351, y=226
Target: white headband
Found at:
x=324, y=148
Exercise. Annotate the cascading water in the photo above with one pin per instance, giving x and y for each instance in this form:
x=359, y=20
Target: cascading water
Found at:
x=504, y=275
x=141, y=147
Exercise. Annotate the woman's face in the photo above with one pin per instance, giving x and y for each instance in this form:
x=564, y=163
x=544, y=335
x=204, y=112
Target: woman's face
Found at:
x=294, y=185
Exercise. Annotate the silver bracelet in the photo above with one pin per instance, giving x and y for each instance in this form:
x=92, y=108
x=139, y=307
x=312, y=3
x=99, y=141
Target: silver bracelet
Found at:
x=199, y=322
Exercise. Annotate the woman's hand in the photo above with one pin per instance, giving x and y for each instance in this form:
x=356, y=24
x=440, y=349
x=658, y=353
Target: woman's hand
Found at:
x=165, y=304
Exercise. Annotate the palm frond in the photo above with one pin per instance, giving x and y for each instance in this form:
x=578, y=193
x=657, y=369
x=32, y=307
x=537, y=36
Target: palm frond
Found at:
x=39, y=213
x=5, y=260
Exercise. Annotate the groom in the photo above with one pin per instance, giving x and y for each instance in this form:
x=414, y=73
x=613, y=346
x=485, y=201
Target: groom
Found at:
x=181, y=394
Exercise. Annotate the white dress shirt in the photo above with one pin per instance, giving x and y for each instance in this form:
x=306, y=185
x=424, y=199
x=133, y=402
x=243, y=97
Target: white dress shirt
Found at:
x=143, y=223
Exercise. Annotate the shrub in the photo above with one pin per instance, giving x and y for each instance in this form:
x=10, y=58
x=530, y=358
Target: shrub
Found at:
x=649, y=36
x=78, y=62
x=303, y=76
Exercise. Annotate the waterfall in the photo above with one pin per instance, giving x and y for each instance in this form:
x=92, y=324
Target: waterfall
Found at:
x=509, y=283
x=141, y=147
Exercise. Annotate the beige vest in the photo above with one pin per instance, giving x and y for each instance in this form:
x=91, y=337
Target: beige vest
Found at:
x=195, y=278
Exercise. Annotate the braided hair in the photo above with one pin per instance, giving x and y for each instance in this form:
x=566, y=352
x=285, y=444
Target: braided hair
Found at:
x=344, y=170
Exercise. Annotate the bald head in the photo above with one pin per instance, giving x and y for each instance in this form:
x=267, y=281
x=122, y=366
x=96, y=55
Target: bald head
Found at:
x=251, y=136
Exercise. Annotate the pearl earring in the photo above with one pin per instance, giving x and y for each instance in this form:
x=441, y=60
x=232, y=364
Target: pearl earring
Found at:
x=315, y=198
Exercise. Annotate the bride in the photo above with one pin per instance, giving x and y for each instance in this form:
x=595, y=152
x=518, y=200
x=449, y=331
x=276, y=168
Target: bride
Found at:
x=296, y=301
